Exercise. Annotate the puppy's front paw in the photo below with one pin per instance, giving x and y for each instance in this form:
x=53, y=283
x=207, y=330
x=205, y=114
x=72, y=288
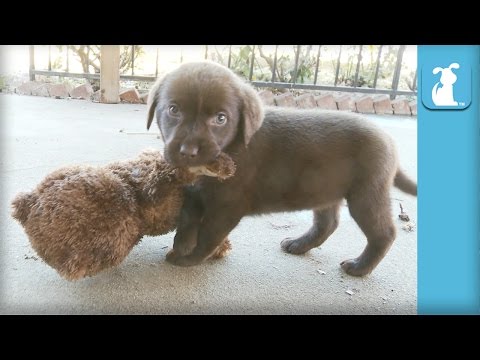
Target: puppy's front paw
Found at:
x=171, y=255
x=183, y=248
x=175, y=259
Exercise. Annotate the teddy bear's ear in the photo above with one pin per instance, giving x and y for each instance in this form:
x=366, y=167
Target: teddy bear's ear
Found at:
x=22, y=204
x=153, y=100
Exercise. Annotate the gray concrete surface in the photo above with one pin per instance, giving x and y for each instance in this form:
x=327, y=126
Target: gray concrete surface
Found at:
x=41, y=134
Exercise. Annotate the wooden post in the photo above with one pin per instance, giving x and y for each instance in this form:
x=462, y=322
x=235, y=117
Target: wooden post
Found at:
x=110, y=74
x=31, y=50
x=49, y=58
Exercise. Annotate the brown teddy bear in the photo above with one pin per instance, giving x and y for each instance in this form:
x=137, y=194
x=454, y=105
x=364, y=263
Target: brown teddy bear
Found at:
x=84, y=219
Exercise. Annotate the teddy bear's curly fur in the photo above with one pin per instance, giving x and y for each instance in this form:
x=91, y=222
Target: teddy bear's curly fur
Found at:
x=84, y=219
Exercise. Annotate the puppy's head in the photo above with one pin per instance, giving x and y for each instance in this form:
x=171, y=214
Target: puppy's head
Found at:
x=201, y=108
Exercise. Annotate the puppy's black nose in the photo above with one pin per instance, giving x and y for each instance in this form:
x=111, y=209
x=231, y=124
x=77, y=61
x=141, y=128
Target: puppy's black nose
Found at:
x=189, y=150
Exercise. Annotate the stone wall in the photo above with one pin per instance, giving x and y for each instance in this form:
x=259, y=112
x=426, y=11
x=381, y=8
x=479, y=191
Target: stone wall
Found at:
x=361, y=103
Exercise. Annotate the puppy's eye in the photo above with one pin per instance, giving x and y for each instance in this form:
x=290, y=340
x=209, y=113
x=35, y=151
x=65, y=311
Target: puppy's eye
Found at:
x=221, y=119
x=173, y=110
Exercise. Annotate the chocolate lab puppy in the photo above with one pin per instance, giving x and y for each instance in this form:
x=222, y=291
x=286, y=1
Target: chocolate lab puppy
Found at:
x=286, y=159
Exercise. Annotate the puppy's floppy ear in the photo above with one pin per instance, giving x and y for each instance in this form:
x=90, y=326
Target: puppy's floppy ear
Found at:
x=252, y=112
x=153, y=100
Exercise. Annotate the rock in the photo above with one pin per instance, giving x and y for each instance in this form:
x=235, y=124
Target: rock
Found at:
x=82, y=92
x=41, y=90
x=267, y=97
x=8, y=85
x=26, y=88
x=413, y=108
x=144, y=98
x=409, y=227
x=59, y=90
x=130, y=96
x=382, y=105
x=96, y=96
x=286, y=100
x=326, y=102
x=401, y=107
x=345, y=102
x=364, y=105
x=306, y=101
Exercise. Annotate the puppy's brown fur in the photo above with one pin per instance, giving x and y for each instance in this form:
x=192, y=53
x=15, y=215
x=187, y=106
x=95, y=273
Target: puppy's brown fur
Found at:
x=84, y=219
x=286, y=160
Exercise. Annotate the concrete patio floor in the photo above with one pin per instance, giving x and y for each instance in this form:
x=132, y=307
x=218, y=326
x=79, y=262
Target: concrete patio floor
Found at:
x=39, y=135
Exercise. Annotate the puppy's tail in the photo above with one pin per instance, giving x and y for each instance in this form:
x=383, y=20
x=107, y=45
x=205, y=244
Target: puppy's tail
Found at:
x=21, y=206
x=404, y=183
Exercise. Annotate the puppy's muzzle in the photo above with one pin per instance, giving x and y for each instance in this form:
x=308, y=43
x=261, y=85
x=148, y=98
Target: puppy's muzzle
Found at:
x=189, y=151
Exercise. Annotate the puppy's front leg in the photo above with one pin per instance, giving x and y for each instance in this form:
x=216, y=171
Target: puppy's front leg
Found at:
x=216, y=225
x=188, y=223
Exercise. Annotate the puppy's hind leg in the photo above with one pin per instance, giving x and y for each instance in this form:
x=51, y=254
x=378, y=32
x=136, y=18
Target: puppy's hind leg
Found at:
x=325, y=222
x=371, y=210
